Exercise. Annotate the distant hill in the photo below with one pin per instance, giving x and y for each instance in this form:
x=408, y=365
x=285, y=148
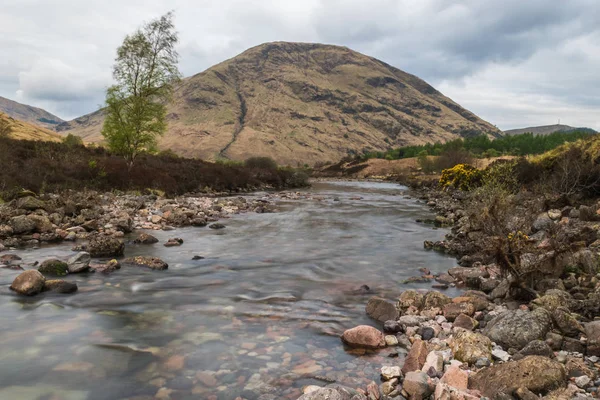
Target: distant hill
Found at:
x=302, y=103
x=32, y=115
x=546, y=130
x=26, y=131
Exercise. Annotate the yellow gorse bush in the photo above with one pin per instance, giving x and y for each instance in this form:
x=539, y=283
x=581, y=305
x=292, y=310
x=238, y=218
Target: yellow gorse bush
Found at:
x=461, y=176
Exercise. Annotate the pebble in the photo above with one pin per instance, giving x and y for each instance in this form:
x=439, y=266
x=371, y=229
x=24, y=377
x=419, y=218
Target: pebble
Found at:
x=391, y=340
x=583, y=381
x=561, y=356
x=500, y=354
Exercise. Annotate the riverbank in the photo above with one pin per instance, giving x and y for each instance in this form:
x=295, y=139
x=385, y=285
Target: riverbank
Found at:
x=530, y=305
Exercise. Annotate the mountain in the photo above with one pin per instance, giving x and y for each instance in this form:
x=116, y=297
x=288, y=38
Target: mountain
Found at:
x=26, y=131
x=32, y=115
x=302, y=103
x=546, y=130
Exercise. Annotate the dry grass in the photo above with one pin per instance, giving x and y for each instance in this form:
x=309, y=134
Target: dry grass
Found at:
x=25, y=131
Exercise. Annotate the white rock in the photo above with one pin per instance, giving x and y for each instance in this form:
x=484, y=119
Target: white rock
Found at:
x=435, y=360
x=389, y=372
x=500, y=354
x=310, y=389
x=391, y=340
x=583, y=381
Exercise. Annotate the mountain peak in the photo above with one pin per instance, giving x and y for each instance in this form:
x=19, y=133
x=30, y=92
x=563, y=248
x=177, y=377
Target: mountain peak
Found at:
x=303, y=103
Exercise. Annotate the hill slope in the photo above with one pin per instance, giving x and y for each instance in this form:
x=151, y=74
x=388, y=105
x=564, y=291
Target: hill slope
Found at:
x=544, y=130
x=32, y=115
x=302, y=103
x=25, y=131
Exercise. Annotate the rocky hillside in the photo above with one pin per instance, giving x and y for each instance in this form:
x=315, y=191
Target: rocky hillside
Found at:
x=25, y=131
x=544, y=130
x=302, y=103
x=25, y=113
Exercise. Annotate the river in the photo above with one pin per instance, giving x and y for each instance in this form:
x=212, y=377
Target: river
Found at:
x=258, y=317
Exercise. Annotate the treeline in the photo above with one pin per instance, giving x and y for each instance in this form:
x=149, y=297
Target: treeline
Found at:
x=483, y=147
x=53, y=167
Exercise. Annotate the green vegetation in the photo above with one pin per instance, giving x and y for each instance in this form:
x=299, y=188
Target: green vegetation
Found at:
x=483, y=147
x=145, y=71
x=72, y=140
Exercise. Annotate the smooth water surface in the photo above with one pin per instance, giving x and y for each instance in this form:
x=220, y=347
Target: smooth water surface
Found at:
x=259, y=317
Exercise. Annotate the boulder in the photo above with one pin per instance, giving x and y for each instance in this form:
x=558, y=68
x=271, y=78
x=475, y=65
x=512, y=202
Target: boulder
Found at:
x=592, y=332
x=149, y=262
x=435, y=360
x=465, y=322
x=456, y=377
x=80, y=262
x=54, y=267
x=105, y=246
x=416, y=357
x=174, y=242
x=21, y=224
x=107, y=268
x=542, y=223
x=410, y=298
x=364, y=336
x=199, y=222
x=435, y=299
x=333, y=392
x=144, y=238
x=516, y=328
x=392, y=326
x=60, y=286
x=537, y=348
x=390, y=372
x=381, y=310
x=453, y=310
x=28, y=283
x=553, y=299
x=217, y=226
x=42, y=223
x=30, y=203
x=527, y=373
x=566, y=322
x=417, y=385
x=471, y=276
x=123, y=223
x=468, y=347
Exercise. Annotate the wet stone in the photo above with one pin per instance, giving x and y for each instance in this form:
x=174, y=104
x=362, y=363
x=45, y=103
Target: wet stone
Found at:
x=60, y=286
x=149, y=262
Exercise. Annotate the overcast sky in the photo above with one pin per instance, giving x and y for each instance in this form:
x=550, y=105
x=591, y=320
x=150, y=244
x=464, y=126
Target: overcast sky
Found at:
x=514, y=63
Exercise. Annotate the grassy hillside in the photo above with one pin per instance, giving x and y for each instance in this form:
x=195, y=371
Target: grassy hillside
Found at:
x=302, y=103
x=25, y=131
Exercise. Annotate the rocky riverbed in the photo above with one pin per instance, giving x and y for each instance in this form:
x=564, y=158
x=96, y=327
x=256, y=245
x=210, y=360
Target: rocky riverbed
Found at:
x=504, y=337
x=252, y=310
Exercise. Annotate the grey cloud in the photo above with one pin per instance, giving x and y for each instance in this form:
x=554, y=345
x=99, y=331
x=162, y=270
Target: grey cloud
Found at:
x=507, y=60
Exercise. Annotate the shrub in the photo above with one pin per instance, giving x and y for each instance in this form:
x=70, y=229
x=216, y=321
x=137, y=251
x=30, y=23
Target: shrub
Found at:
x=501, y=174
x=461, y=176
x=55, y=167
x=71, y=140
x=260, y=163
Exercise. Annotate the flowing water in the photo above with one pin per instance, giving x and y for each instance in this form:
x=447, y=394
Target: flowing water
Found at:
x=258, y=317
